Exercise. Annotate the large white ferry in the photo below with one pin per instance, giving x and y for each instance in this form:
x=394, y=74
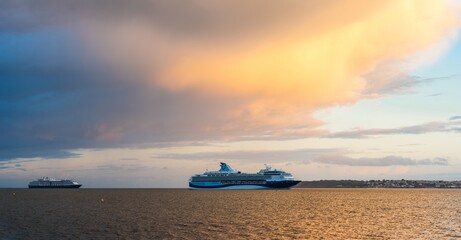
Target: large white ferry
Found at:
x=228, y=178
x=47, y=182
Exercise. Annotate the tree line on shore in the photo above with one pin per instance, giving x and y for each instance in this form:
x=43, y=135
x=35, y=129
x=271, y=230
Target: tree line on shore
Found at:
x=379, y=184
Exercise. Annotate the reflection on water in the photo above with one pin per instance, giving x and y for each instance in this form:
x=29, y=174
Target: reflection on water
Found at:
x=185, y=214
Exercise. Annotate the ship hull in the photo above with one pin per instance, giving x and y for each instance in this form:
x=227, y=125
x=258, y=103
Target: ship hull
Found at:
x=267, y=185
x=233, y=187
x=68, y=186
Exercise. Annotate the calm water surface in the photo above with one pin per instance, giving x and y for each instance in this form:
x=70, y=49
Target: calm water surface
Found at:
x=185, y=214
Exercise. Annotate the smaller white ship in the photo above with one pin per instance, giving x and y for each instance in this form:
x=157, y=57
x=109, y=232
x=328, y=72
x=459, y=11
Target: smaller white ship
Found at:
x=47, y=182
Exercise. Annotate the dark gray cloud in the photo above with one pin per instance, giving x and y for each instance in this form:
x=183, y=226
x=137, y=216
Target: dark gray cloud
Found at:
x=378, y=162
x=221, y=20
x=33, y=152
x=9, y=165
x=24, y=16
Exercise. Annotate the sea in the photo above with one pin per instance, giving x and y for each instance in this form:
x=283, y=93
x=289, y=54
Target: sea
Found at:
x=230, y=214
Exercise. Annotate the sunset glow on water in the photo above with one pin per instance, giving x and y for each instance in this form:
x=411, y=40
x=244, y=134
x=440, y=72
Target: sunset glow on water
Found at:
x=186, y=214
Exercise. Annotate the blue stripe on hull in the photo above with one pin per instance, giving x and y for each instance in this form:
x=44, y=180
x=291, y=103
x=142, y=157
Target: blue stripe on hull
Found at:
x=278, y=184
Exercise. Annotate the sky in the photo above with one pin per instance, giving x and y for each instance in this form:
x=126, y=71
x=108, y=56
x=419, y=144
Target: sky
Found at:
x=146, y=93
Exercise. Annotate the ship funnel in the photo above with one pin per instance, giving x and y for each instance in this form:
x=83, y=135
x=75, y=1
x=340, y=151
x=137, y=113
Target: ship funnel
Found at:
x=226, y=168
x=268, y=168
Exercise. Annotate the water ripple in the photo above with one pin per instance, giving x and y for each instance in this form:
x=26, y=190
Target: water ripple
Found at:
x=184, y=214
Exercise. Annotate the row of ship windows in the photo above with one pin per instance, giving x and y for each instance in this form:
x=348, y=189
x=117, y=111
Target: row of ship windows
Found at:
x=233, y=178
x=240, y=182
x=208, y=177
x=42, y=184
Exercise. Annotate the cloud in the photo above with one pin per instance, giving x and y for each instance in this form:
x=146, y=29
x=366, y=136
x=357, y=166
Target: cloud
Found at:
x=119, y=167
x=415, y=129
x=434, y=95
x=12, y=166
x=285, y=63
x=455, y=118
x=102, y=74
x=306, y=156
x=32, y=152
x=378, y=162
x=397, y=83
x=300, y=155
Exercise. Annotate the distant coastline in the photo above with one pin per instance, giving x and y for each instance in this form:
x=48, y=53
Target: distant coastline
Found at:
x=379, y=184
